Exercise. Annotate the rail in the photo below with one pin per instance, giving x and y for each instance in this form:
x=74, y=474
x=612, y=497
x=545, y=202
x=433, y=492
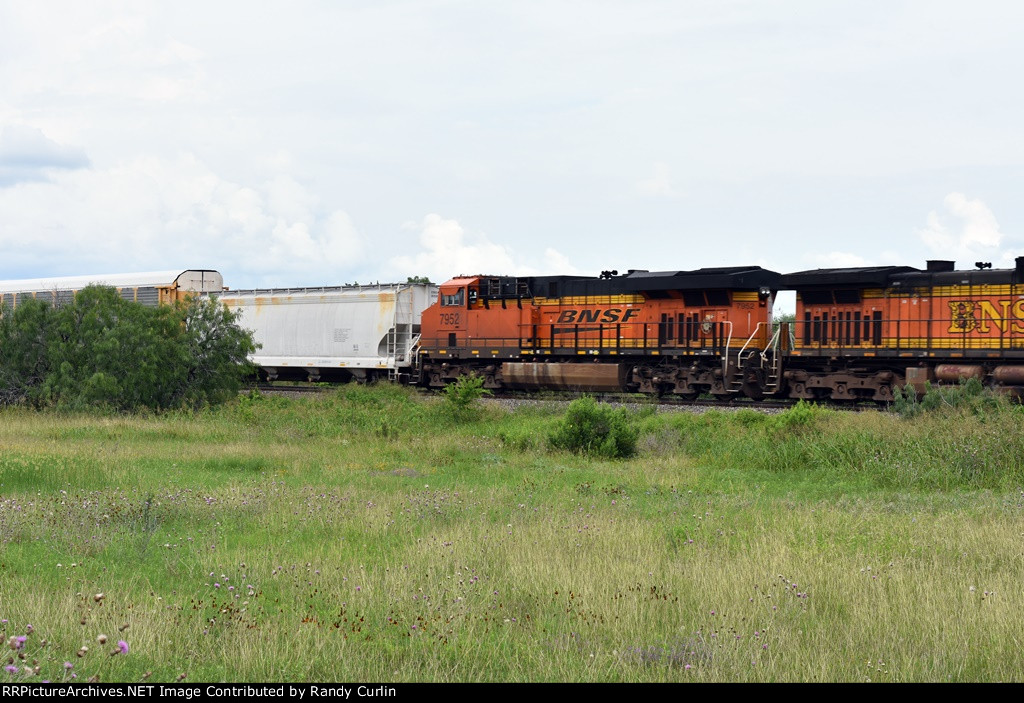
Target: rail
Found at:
x=852, y=332
x=715, y=338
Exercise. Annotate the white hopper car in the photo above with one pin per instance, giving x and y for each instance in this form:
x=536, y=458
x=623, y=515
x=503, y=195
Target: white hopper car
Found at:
x=337, y=333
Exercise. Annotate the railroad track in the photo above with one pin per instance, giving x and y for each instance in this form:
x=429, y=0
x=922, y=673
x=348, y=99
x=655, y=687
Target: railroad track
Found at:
x=637, y=399
x=629, y=399
x=291, y=389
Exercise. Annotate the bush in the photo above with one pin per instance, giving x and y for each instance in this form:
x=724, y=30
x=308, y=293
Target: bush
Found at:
x=970, y=395
x=101, y=351
x=461, y=395
x=215, y=353
x=597, y=430
x=904, y=402
x=25, y=334
x=798, y=418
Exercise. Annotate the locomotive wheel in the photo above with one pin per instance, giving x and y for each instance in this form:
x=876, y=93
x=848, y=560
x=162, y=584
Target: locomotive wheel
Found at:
x=753, y=384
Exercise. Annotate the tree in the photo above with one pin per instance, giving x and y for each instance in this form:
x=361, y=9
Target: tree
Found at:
x=103, y=351
x=216, y=354
x=24, y=337
x=114, y=353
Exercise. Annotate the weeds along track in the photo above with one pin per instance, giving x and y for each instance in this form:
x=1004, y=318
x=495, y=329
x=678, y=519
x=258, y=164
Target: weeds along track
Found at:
x=633, y=400
x=289, y=390
x=514, y=399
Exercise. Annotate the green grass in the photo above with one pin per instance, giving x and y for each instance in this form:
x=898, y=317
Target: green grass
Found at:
x=375, y=535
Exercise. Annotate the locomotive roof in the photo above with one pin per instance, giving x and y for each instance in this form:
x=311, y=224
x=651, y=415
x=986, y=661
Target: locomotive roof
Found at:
x=868, y=276
x=732, y=277
x=902, y=276
x=729, y=278
x=967, y=277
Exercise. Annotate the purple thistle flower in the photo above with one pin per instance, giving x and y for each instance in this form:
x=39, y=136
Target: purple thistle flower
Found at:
x=122, y=647
x=11, y=669
x=19, y=642
x=69, y=665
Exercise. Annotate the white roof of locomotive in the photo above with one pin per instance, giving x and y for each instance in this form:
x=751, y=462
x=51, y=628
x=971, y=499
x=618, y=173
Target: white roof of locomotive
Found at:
x=117, y=280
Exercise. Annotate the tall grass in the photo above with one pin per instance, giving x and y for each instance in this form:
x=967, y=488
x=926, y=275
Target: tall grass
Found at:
x=957, y=448
x=371, y=535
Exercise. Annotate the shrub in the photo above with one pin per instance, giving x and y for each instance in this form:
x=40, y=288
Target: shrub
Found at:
x=801, y=416
x=463, y=394
x=214, y=355
x=102, y=351
x=598, y=430
x=969, y=395
x=904, y=402
x=25, y=334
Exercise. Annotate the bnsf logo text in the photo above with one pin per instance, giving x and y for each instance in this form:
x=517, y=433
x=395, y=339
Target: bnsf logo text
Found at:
x=983, y=316
x=610, y=315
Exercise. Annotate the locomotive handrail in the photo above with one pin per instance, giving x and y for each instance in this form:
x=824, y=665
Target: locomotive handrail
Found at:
x=739, y=356
x=725, y=351
x=413, y=349
x=906, y=335
x=773, y=343
x=594, y=337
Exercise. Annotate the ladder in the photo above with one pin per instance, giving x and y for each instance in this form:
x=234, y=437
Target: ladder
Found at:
x=402, y=343
x=769, y=359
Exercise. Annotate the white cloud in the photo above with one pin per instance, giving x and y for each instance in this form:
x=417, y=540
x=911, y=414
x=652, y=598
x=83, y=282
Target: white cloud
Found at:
x=448, y=251
x=847, y=259
x=771, y=121
x=836, y=259
x=151, y=214
x=659, y=185
x=968, y=231
x=26, y=154
x=113, y=52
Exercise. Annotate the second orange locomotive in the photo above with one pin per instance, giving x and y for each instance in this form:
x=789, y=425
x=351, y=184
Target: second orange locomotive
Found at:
x=681, y=332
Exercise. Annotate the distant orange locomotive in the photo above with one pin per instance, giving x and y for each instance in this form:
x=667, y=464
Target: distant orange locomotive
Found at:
x=682, y=332
x=861, y=331
x=858, y=334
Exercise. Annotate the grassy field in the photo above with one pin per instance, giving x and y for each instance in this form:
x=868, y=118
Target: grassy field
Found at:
x=372, y=535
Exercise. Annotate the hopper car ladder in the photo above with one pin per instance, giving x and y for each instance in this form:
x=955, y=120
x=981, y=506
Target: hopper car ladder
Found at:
x=403, y=345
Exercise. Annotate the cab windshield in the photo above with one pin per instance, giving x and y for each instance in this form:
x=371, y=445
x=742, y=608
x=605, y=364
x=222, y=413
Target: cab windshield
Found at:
x=456, y=299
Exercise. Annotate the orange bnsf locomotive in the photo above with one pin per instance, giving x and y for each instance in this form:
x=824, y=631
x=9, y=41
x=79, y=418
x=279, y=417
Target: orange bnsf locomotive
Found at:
x=680, y=332
x=861, y=331
x=858, y=333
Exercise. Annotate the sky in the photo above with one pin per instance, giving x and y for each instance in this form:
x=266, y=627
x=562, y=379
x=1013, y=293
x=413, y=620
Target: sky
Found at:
x=318, y=143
